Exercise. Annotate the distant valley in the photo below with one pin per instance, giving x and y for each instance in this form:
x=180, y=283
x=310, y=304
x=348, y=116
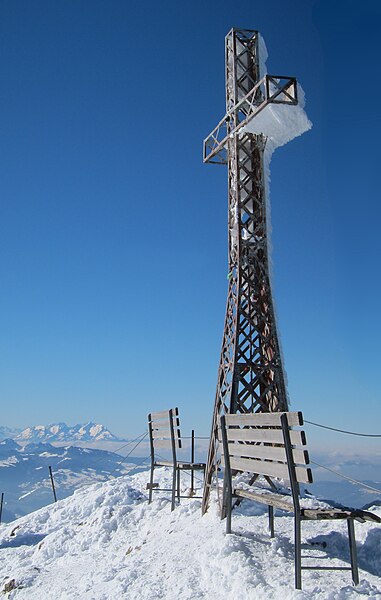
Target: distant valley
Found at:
x=24, y=474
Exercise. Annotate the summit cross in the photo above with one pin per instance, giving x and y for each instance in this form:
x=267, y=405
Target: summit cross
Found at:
x=250, y=375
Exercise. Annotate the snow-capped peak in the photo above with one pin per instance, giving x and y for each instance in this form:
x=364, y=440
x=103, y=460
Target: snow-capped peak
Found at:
x=60, y=432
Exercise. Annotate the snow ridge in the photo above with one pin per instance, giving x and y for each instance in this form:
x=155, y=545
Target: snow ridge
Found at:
x=106, y=542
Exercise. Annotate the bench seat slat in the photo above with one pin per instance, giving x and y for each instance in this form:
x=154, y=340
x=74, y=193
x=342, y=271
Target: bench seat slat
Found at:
x=322, y=514
x=181, y=465
x=276, y=500
x=318, y=514
x=191, y=466
x=263, y=419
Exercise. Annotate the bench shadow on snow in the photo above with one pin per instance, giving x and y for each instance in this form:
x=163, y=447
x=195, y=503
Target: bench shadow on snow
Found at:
x=335, y=545
x=320, y=548
x=29, y=539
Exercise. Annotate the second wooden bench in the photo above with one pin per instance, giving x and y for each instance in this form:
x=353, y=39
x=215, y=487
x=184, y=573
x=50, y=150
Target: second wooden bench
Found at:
x=264, y=444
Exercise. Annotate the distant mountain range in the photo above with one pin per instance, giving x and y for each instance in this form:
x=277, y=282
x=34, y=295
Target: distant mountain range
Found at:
x=60, y=432
x=24, y=474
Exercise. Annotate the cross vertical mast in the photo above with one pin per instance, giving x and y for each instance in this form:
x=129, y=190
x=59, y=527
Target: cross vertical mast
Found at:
x=250, y=374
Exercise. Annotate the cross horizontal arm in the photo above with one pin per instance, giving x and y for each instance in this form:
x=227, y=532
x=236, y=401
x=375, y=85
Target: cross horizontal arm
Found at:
x=271, y=89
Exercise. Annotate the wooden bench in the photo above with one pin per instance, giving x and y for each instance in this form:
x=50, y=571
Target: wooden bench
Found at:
x=164, y=434
x=264, y=444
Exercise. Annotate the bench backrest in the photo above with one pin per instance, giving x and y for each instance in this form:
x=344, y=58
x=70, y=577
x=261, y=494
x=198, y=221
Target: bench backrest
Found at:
x=264, y=444
x=164, y=431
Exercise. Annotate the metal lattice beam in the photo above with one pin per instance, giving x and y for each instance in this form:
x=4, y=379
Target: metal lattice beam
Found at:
x=250, y=374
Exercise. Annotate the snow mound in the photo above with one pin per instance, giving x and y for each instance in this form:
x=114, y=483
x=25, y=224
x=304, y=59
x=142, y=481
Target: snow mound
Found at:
x=106, y=542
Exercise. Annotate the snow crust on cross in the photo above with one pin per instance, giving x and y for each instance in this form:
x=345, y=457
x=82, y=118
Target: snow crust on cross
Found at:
x=280, y=123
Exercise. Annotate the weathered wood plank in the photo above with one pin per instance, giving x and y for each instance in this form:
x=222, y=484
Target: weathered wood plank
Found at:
x=161, y=433
x=325, y=514
x=259, y=466
x=267, y=452
x=162, y=444
x=322, y=514
x=264, y=419
x=190, y=466
x=165, y=424
x=163, y=414
x=271, y=436
x=167, y=443
x=271, y=469
x=157, y=425
x=276, y=500
x=257, y=451
x=163, y=463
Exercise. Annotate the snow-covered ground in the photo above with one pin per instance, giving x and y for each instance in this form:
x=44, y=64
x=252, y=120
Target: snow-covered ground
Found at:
x=105, y=542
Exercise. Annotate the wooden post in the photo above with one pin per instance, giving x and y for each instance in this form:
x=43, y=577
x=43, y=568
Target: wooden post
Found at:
x=1, y=505
x=152, y=458
x=271, y=520
x=53, y=487
x=192, y=461
x=353, y=551
x=171, y=414
x=226, y=509
x=295, y=499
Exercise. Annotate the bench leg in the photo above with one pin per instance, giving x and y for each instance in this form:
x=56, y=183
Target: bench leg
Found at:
x=225, y=499
x=178, y=484
x=150, y=483
x=298, y=551
x=228, y=511
x=173, y=487
x=353, y=551
x=271, y=521
x=229, y=518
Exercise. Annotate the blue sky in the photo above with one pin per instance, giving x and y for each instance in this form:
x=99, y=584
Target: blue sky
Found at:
x=113, y=234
